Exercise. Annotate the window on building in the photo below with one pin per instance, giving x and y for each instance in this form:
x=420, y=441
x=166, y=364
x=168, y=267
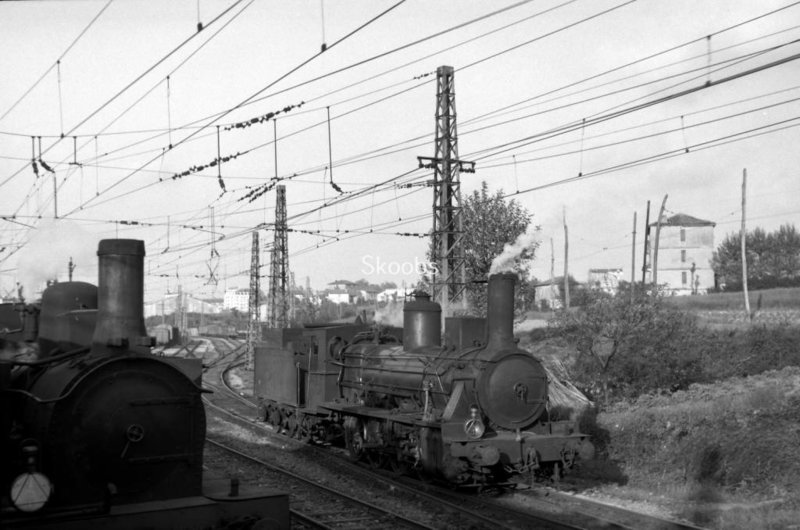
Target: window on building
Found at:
x=683, y=235
x=683, y=277
x=683, y=256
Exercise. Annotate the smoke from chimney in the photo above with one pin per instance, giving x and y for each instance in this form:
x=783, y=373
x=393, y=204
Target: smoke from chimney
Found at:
x=512, y=251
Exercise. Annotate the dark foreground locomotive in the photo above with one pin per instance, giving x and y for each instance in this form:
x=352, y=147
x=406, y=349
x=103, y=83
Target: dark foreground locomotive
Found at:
x=473, y=411
x=95, y=431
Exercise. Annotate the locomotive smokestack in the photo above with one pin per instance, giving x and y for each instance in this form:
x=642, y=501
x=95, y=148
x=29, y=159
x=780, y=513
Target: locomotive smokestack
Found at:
x=500, y=311
x=120, y=297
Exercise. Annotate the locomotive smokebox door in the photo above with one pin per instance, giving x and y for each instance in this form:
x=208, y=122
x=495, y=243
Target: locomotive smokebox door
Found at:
x=513, y=390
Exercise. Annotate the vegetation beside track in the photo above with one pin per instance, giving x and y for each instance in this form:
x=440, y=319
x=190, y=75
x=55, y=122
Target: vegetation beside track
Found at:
x=702, y=419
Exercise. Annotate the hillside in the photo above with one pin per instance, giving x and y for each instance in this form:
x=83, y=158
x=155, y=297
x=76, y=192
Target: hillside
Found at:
x=724, y=455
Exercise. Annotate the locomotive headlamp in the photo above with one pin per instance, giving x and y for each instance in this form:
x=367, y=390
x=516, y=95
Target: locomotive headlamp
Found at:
x=474, y=427
x=31, y=490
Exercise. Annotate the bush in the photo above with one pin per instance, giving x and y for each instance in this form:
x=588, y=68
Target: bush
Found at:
x=628, y=348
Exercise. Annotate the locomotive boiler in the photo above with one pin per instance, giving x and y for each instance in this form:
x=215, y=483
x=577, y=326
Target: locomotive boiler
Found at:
x=472, y=410
x=96, y=431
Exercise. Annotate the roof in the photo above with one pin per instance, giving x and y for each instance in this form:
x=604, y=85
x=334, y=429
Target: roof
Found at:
x=681, y=219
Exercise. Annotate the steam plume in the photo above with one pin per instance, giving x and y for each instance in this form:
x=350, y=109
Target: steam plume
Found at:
x=391, y=315
x=511, y=251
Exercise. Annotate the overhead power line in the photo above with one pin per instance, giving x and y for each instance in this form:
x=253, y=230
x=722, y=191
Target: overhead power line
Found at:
x=57, y=62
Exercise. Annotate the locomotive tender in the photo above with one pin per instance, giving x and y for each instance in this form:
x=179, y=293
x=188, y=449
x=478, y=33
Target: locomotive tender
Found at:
x=95, y=431
x=473, y=411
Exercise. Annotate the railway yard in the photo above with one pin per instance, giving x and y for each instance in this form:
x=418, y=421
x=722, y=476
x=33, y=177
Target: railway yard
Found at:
x=322, y=298
x=328, y=491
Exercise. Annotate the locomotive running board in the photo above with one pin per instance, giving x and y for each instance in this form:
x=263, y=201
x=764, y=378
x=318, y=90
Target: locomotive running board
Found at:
x=409, y=418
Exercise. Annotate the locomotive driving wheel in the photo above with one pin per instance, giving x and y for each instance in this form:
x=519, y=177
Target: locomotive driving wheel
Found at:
x=274, y=416
x=304, y=429
x=354, y=437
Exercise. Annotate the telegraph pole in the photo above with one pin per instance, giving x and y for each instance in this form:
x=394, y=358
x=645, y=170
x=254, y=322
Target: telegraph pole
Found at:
x=633, y=259
x=566, y=262
x=658, y=234
x=450, y=278
x=743, y=237
x=278, y=310
x=646, y=244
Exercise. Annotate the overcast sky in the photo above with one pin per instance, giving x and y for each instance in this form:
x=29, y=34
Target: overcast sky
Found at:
x=638, y=99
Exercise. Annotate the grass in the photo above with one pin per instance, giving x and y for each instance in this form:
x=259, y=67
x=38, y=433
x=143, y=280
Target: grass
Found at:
x=781, y=298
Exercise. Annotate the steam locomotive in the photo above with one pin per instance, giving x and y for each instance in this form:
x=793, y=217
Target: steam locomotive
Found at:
x=95, y=431
x=473, y=411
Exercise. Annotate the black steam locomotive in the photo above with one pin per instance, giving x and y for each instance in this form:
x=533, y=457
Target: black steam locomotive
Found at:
x=473, y=411
x=95, y=431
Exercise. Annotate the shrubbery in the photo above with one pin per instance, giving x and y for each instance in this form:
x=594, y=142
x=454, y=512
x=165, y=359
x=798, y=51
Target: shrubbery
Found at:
x=625, y=349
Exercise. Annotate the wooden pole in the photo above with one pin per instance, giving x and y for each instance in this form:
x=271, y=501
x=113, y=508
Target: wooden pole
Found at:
x=566, y=262
x=552, y=276
x=658, y=234
x=646, y=243
x=743, y=237
x=633, y=258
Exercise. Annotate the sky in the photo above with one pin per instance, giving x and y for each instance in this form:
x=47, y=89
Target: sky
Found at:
x=582, y=111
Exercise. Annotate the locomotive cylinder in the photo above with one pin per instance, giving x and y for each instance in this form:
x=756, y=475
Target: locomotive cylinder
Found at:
x=500, y=311
x=422, y=323
x=120, y=319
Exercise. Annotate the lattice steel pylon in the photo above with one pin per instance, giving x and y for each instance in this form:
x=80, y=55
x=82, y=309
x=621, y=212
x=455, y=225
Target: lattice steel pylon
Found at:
x=252, y=302
x=278, y=315
x=449, y=278
x=213, y=261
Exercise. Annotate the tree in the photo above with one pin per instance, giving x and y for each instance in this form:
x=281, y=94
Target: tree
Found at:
x=490, y=222
x=773, y=259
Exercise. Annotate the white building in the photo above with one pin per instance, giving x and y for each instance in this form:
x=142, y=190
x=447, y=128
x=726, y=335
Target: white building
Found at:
x=685, y=249
x=238, y=299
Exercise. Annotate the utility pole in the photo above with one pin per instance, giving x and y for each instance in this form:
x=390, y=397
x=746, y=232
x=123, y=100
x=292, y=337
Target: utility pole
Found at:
x=566, y=262
x=450, y=277
x=743, y=237
x=658, y=234
x=252, y=302
x=179, y=310
x=552, y=276
x=633, y=259
x=646, y=244
x=278, y=310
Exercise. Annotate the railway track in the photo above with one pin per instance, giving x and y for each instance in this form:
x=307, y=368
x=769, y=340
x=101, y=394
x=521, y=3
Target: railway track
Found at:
x=316, y=505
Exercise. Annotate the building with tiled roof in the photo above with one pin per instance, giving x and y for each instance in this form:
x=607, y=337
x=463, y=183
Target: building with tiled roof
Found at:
x=686, y=246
